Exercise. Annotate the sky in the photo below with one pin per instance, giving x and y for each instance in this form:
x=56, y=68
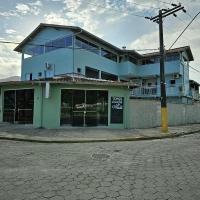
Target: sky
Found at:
x=120, y=22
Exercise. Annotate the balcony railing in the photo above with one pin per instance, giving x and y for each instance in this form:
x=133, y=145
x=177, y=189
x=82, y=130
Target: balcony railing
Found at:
x=171, y=91
x=154, y=91
x=144, y=92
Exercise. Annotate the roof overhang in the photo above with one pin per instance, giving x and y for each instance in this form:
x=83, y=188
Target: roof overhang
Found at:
x=186, y=49
x=194, y=82
x=68, y=82
x=78, y=30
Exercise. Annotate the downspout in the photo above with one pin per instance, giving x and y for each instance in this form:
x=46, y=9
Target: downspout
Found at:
x=42, y=108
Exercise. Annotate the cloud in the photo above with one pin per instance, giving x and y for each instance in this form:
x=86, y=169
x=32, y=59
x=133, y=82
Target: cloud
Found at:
x=10, y=31
x=29, y=8
x=9, y=61
x=54, y=18
x=8, y=13
x=22, y=8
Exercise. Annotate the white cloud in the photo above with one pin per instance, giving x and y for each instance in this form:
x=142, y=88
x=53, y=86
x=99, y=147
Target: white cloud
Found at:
x=22, y=8
x=9, y=61
x=36, y=3
x=54, y=18
x=10, y=31
x=29, y=8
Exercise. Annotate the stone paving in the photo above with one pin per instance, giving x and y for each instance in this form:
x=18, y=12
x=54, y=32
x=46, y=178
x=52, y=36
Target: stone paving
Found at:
x=140, y=170
x=90, y=133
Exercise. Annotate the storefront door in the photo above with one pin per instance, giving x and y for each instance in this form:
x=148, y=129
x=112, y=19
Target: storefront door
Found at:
x=18, y=106
x=84, y=107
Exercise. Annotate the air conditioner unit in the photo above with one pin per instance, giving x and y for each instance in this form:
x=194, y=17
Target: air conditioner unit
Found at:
x=176, y=76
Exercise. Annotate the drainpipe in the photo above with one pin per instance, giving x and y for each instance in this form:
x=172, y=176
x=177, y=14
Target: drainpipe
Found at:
x=42, y=108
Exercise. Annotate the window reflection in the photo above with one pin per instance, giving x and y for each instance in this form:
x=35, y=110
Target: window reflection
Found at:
x=84, y=108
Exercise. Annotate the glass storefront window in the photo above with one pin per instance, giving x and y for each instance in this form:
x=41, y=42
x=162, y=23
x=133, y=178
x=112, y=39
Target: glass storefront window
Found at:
x=18, y=106
x=84, y=107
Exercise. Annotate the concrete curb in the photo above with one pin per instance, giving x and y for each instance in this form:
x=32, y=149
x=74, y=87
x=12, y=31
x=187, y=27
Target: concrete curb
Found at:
x=93, y=140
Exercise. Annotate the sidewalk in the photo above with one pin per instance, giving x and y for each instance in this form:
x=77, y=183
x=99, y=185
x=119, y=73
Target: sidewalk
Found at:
x=81, y=135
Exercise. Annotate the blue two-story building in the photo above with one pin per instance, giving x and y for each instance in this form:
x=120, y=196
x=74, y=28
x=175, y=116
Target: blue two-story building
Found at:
x=55, y=50
x=72, y=77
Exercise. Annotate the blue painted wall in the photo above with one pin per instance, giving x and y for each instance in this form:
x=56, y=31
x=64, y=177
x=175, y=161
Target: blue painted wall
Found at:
x=67, y=60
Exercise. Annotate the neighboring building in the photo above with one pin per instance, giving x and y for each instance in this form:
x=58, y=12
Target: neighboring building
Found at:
x=71, y=77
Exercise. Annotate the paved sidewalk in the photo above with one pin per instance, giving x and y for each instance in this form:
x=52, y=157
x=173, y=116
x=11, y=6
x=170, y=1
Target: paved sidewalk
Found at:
x=78, y=135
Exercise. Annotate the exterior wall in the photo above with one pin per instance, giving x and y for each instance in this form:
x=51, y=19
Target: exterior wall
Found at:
x=61, y=59
x=143, y=113
x=37, y=101
x=154, y=69
x=52, y=106
x=146, y=113
x=84, y=58
x=36, y=64
x=46, y=35
x=127, y=69
x=46, y=111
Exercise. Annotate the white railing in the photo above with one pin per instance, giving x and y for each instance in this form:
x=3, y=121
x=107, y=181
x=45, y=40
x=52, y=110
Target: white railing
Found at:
x=144, y=91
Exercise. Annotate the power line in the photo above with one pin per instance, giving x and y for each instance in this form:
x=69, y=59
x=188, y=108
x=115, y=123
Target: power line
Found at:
x=192, y=17
x=184, y=29
x=116, y=10
x=194, y=69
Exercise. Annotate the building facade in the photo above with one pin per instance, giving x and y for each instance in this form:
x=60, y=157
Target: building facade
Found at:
x=70, y=77
x=53, y=50
x=66, y=102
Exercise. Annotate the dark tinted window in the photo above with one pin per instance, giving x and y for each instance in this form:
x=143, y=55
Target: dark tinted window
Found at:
x=84, y=44
x=108, y=76
x=109, y=55
x=91, y=73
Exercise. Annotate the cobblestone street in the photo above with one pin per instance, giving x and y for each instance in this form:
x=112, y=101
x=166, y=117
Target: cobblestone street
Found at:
x=141, y=170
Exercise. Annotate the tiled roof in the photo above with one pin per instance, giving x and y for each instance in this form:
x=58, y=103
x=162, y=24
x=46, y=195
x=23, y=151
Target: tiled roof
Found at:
x=71, y=80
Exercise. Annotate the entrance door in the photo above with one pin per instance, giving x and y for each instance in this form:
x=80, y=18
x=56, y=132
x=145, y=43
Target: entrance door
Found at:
x=18, y=106
x=84, y=107
x=78, y=112
x=24, y=106
x=9, y=106
x=91, y=108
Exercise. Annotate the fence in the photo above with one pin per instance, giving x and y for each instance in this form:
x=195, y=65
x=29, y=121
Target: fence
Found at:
x=147, y=114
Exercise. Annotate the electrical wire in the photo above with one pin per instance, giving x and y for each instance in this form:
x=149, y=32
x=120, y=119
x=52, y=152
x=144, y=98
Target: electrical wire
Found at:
x=192, y=17
x=184, y=30
x=114, y=9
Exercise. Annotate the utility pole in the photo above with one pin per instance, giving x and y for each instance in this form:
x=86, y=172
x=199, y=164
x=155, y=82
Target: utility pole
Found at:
x=159, y=19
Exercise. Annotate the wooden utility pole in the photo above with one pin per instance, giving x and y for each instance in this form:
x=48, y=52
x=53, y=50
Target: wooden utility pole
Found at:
x=159, y=19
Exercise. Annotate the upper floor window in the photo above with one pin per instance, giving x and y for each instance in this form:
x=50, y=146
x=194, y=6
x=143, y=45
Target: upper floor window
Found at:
x=171, y=57
x=91, y=72
x=108, y=76
x=36, y=50
x=172, y=82
x=59, y=43
x=84, y=44
x=49, y=46
x=109, y=55
x=148, y=61
x=124, y=58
